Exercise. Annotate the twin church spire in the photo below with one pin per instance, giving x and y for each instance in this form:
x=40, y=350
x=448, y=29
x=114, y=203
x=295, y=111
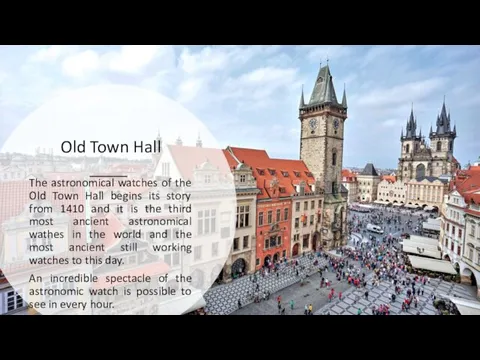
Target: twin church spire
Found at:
x=443, y=126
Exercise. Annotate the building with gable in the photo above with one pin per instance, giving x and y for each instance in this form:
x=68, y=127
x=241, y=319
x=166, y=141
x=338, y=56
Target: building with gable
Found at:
x=368, y=181
x=460, y=225
x=391, y=191
x=289, y=206
x=350, y=182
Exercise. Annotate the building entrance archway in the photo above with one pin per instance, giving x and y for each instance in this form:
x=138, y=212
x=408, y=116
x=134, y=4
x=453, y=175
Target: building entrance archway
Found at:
x=267, y=261
x=276, y=257
x=295, y=250
x=316, y=239
x=239, y=267
x=469, y=274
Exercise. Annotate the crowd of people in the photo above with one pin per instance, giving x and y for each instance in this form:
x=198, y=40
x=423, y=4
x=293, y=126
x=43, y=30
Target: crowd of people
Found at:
x=362, y=266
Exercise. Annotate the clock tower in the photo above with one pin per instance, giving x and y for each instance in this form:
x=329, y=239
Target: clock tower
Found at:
x=322, y=122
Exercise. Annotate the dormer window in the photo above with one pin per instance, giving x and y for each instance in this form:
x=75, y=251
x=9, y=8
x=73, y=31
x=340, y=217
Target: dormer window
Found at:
x=309, y=174
x=272, y=172
x=296, y=173
x=261, y=172
x=285, y=173
x=208, y=179
x=243, y=178
x=282, y=190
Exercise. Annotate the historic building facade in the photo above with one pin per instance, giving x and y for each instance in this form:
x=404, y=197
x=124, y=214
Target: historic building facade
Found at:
x=418, y=159
x=289, y=206
x=368, y=181
x=391, y=191
x=460, y=225
x=426, y=192
x=322, y=122
x=350, y=182
x=243, y=254
x=452, y=230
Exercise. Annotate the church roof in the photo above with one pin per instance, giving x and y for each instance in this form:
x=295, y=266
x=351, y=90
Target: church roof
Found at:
x=431, y=179
x=369, y=170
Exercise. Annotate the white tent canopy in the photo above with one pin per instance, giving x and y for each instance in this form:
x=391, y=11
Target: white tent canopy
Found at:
x=429, y=226
x=420, y=245
x=423, y=240
x=441, y=266
x=466, y=307
x=411, y=206
x=397, y=204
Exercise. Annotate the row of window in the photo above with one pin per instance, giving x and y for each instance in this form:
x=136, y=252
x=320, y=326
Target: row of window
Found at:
x=270, y=219
x=469, y=255
x=305, y=221
x=273, y=172
x=245, y=243
x=387, y=194
x=305, y=205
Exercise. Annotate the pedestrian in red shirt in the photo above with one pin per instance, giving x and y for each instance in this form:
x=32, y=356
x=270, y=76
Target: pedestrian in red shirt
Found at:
x=340, y=295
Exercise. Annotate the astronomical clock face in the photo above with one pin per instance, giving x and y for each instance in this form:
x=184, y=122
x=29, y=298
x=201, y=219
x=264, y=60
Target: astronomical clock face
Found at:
x=313, y=124
x=391, y=192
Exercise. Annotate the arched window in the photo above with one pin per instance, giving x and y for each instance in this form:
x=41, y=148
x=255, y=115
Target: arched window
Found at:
x=334, y=157
x=439, y=146
x=450, y=146
x=420, y=171
x=407, y=148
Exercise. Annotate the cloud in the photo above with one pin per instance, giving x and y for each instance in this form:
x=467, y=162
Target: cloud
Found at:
x=249, y=95
x=81, y=64
x=401, y=94
x=128, y=59
x=320, y=53
x=52, y=53
x=390, y=123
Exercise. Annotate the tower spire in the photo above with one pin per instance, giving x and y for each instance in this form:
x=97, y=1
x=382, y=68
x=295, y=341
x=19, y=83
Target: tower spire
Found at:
x=344, y=97
x=302, y=100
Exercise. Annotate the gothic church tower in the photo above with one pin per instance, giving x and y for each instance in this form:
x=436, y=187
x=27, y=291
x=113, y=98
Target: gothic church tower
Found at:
x=322, y=122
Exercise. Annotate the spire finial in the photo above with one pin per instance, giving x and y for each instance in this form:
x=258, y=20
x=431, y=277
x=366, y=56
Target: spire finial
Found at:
x=444, y=96
x=327, y=59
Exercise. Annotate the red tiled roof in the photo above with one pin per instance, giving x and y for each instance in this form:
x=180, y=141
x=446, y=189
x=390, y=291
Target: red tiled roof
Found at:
x=265, y=169
x=348, y=176
x=389, y=178
x=152, y=269
x=467, y=180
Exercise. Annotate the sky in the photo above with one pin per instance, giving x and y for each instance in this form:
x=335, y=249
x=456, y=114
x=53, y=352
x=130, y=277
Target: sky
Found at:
x=248, y=96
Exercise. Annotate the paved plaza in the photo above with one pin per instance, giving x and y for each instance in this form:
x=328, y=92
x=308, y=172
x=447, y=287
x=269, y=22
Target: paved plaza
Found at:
x=309, y=293
x=223, y=299
x=381, y=295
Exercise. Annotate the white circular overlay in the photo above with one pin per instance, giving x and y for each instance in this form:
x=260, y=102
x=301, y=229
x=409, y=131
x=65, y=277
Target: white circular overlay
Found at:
x=128, y=206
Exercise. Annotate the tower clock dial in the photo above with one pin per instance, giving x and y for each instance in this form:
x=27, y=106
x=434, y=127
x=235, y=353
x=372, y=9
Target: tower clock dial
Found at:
x=313, y=124
x=336, y=124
